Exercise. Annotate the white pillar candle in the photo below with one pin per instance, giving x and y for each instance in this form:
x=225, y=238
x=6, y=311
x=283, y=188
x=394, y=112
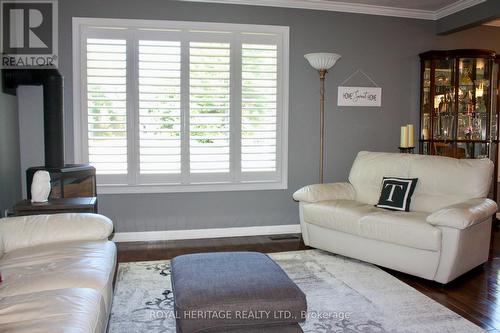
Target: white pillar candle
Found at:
x=404, y=137
x=410, y=135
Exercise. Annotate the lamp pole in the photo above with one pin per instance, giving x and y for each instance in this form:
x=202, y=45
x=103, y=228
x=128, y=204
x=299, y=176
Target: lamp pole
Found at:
x=322, y=74
x=322, y=62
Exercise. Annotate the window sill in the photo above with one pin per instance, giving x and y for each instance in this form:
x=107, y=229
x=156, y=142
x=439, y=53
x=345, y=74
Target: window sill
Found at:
x=180, y=188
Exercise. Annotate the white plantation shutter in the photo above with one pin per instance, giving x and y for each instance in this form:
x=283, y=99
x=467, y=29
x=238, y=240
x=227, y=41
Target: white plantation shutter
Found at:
x=182, y=106
x=160, y=107
x=210, y=103
x=259, y=107
x=106, y=105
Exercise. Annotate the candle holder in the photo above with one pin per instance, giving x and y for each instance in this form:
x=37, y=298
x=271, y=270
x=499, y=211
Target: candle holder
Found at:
x=406, y=150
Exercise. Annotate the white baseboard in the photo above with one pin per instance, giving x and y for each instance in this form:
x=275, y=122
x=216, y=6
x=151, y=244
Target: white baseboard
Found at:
x=205, y=233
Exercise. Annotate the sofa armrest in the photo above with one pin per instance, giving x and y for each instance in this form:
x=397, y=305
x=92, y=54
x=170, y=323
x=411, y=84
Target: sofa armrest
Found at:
x=322, y=192
x=26, y=231
x=464, y=214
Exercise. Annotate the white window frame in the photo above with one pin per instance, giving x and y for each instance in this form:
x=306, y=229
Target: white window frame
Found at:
x=133, y=185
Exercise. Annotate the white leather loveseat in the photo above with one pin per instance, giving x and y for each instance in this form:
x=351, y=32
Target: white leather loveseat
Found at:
x=445, y=234
x=57, y=273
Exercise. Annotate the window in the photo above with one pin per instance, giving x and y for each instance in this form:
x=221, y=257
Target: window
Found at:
x=170, y=106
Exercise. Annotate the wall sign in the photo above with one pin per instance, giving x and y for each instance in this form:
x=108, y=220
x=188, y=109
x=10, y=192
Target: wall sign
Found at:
x=359, y=96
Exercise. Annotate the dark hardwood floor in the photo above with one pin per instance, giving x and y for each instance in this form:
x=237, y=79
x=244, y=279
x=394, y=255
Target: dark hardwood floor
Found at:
x=475, y=295
x=141, y=251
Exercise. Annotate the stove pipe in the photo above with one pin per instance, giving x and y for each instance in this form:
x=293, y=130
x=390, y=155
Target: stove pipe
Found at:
x=53, y=118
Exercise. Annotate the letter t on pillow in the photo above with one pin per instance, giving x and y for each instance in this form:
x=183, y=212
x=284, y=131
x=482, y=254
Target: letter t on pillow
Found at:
x=396, y=193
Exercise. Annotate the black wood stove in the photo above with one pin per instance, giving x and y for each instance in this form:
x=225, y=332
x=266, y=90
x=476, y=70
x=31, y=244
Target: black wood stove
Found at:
x=68, y=180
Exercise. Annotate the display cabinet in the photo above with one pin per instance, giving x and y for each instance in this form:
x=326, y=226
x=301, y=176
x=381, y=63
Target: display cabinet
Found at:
x=459, y=104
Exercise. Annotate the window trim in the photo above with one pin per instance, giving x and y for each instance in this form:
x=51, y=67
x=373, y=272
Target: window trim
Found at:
x=80, y=24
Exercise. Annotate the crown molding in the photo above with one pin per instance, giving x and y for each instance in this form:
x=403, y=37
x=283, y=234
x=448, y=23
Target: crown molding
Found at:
x=332, y=6
x=357, y=8
x=455, y=8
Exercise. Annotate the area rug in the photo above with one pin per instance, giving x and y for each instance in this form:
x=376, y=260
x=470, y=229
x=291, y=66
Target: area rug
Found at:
x=343, y=296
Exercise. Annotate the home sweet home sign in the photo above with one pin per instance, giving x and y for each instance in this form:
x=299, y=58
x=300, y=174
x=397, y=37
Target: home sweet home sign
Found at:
x=359, y=96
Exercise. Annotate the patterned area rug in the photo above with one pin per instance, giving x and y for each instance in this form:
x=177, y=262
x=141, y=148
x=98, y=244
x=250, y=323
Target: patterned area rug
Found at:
x=343, y=296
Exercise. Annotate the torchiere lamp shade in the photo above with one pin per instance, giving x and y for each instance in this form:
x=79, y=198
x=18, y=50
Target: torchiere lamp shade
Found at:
x=322, y=60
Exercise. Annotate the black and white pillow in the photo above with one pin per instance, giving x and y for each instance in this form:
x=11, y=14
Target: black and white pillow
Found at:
x=396, y=193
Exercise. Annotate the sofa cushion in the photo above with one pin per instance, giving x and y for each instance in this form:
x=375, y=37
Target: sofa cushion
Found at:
x=369, y=169
x=445, y=181
x=402, y=228
x=64, y=310
x=355, y=218
x=57, y=266
x=340, y=215
x=442, y=181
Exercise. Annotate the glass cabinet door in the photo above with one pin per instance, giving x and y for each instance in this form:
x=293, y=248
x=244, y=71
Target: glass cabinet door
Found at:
x=444, y=99
x=426, y=102
x=472, y=150
x=444, y=148
x=459, y=106
x=494, y=102
x=473, y=98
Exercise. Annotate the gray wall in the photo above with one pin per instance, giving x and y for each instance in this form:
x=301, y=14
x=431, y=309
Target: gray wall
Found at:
x=10, y=189
x=385, y=48
x=485, y=37
x=471, y=17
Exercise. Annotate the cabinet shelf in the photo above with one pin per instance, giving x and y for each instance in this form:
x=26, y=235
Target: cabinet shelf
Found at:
x=458, y=140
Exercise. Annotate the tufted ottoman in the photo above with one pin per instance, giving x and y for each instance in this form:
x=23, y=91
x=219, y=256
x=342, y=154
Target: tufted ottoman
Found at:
x=238, y=292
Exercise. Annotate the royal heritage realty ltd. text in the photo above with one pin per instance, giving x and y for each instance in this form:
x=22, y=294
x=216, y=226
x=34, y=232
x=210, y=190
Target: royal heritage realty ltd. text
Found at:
x=247, y=314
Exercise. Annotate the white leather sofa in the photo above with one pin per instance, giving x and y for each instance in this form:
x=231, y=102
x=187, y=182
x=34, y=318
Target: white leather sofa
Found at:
x=57, y=273
x=445, y=234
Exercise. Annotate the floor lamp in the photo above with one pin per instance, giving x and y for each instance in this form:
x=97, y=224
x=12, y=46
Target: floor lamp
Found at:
x=322, y=62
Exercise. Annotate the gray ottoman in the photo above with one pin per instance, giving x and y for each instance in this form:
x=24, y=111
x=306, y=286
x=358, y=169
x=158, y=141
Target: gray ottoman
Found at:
x=238, y=292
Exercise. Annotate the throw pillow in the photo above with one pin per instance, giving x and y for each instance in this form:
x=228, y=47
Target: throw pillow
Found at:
x=396, y=193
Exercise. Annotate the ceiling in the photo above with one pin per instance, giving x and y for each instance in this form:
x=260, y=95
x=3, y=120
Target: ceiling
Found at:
x=419, y=9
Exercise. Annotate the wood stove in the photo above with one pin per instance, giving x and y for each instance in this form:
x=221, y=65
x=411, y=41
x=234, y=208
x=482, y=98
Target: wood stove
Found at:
x=67, y=180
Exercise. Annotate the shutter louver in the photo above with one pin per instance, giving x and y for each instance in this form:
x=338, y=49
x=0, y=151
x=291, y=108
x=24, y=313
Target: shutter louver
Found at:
x=259, y=105
x=173, y=106
x=209, y=84
x=106, y=105
x=159, y=107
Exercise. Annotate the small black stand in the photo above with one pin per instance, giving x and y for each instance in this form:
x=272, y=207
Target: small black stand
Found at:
x=406, y=150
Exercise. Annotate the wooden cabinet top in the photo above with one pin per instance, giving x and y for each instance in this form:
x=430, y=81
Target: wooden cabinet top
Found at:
x=63, y=204
x=459, y=53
